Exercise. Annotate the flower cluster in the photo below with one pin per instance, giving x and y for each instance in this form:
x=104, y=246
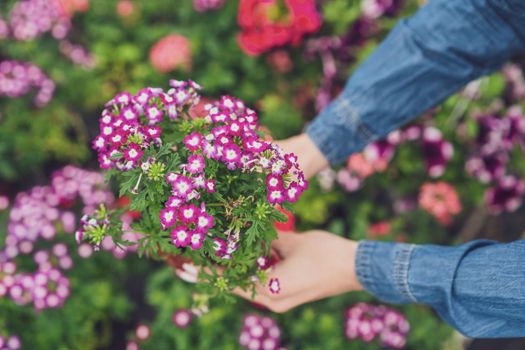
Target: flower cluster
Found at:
x=41, y=213
x=375, y=158
x=18, y=78
x=440, y=200
x=260, y=333
x=506, y=195
x=210, y=176
x=369, y=322
x=11, y=342
x=31, y=18
x=77, y=54
x=171, y=52
x=496, y=137
x=207, y=5
x=124, y=136
x=269, y=24
x=337, y=52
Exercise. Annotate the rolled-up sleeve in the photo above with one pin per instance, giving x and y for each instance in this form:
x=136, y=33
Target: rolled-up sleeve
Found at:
x=476, y=287
x=425, y=58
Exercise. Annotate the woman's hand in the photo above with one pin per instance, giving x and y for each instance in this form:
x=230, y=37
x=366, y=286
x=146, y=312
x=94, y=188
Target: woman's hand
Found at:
x=311, y=160
x=314, y=265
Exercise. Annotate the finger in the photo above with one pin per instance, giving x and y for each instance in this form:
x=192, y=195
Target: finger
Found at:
x=284, y=243
x=186, y=276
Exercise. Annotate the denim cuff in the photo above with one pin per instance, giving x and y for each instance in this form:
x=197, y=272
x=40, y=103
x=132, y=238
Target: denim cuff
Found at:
x=338, y=131
x=382, y=269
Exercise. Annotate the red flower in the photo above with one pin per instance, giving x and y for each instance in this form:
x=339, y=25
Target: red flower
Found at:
x=264, y=26
x=287, y=226
x=381, y=228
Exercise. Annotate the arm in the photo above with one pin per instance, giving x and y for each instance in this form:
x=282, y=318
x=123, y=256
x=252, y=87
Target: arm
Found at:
x=478, y=288
x=426, y=58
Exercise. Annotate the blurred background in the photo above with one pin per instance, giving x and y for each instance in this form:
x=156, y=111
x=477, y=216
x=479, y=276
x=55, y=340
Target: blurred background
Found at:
x=61, y=60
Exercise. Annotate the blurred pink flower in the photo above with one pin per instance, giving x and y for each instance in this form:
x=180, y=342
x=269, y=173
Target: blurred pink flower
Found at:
x=440, y=200
x=280, y=61
x=125, y=8
x=363, y=166
x=171, y=52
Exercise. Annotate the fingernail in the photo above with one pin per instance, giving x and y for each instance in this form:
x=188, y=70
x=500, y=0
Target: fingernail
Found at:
x=185, y=276
x=190, y=268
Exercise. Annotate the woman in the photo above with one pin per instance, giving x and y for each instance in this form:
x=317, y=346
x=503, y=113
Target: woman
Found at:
x=478, y=287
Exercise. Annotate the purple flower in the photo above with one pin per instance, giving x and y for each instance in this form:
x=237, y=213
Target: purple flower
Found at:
x=18, y=78
x=260, y=333
x=506, y=195
x=77, y=54
x=369, y=322
x=207, y=5
x=31, y=18
x=487, y=168
x=436, y=150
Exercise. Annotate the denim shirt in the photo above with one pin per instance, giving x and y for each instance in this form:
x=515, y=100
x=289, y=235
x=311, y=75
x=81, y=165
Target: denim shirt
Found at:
x=479, y=287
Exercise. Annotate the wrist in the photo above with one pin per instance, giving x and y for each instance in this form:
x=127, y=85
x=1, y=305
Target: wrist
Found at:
x=310, y=158
x=354, y=284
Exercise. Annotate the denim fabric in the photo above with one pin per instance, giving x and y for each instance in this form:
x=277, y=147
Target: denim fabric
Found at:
x=425, y=58
x=478, y=287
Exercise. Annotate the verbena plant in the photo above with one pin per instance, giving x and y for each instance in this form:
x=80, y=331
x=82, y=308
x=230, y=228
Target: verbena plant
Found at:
x=206, y=188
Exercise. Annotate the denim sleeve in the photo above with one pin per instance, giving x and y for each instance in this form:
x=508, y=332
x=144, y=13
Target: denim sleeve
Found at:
x=478, y=287
x=424, y=59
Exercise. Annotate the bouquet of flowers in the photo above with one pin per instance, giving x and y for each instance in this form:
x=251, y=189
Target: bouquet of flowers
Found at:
x=207, y=188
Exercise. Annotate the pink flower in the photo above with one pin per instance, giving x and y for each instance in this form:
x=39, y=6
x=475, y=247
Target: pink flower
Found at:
x=188, y=213
x=274, y=181
x=196, y=240
x=274, y=285
x=168, y=217
x=362, y=166
x=180, y=236
x=276, y=196
x=182, y=318
x=174, y=202
x=231, y=153
x=182, y=186
x=204, y=222
x=210, y=186
x=171, y=52
x=193, y=141
x=125, y=8
x=133, y=152
x=293, y=192
x=195, y=164
x=440, y=200
x=263, y=262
